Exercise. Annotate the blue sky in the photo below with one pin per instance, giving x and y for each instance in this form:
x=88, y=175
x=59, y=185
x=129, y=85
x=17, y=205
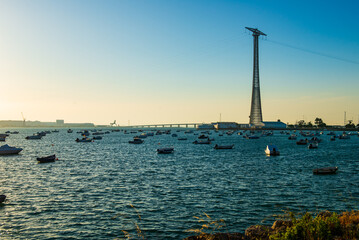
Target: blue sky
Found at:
x=177, y=61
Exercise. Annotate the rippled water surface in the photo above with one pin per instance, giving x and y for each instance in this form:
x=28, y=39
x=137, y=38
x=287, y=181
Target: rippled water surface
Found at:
x=88, y=193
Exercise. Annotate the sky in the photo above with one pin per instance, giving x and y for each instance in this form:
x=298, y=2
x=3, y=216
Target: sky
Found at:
x=177, y=61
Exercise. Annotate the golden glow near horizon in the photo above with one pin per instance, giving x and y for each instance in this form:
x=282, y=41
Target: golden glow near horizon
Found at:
x=149, y=63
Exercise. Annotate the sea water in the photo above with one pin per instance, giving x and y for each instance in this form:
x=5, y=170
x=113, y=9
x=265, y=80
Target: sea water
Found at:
x=98, y=190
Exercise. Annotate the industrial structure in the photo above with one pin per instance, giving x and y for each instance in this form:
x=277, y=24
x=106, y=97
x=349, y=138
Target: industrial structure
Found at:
x=255, y=118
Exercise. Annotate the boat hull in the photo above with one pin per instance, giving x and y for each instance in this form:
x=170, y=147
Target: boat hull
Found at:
x=325, y=171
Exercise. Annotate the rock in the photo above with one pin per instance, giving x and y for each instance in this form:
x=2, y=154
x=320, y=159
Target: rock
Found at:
x=258, y=232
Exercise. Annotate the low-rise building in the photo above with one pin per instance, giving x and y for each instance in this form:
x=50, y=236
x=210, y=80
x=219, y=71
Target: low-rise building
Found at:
x=275, y=124
x=225, y=125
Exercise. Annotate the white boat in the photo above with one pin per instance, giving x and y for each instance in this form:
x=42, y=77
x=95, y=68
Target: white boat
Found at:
x=7, y=150
x=271, y=150
x=165, y=150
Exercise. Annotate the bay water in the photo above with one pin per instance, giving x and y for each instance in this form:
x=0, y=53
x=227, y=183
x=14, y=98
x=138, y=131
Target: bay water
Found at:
x=100, y=189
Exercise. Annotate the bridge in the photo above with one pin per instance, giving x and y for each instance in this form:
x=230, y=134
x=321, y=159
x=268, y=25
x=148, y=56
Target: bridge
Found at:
x=166, y=125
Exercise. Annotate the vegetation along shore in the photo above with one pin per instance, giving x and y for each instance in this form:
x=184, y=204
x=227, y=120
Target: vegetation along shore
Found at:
x=323, y=226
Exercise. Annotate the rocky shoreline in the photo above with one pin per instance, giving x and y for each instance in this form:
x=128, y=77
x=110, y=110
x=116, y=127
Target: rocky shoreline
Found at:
x=325, y=225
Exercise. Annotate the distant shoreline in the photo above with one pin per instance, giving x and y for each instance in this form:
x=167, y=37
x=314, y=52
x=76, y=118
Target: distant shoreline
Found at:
x=79, y=125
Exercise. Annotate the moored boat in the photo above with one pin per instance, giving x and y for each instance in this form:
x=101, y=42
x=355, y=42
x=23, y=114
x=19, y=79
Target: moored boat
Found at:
x=202, y=142
x=251, y=136
x=202, y=136
x=33, y=137
x=313, y=145
x=136, y=140
x=271, y=150
x=165, y=150
x=7, y=150
x=223, y=146
x=302, y=142
x=344, y=136
x=327, y=170
x=85, y=139
x=51, y=158
x=292, y=137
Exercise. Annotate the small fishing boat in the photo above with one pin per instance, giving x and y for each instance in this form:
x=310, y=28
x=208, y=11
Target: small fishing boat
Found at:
x=302, y=142
x=33, y=137
x=327, y=170
x=7, y=150
x=271, y=150
x=143, y=135
x=223, y=146
x=202, y=136
x=136, y=141
x=85, y=133
x=165, y=150
x=313, y=145
x=51, y=158
x=182, y=138
x=85, y=139
x=2, y=139
x=202, y=142
x=251, y=136
x=174, y=135
x=97, y=138
x=2, y=198
x=315, y=139
x=69, y=131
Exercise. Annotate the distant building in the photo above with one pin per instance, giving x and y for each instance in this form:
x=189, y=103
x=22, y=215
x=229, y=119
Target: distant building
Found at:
x=60, y=122
x=244, y=125
x=277, y=125
x=225, y=125
x=205, y=126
